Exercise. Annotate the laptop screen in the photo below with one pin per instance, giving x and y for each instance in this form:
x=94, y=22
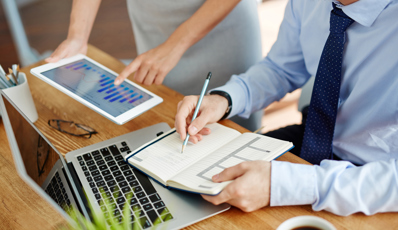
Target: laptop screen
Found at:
x=37, y=155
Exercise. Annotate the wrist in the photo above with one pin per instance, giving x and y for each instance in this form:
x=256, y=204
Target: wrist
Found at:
x=226, y=98
x=181, y=40
x=78, y=37
x=78, y=32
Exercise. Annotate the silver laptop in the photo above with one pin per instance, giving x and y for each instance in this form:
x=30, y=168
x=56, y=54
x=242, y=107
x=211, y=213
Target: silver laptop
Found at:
x=94, y=173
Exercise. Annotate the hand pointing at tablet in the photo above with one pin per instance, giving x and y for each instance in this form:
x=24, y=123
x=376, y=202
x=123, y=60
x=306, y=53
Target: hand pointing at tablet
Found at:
x=152, y=66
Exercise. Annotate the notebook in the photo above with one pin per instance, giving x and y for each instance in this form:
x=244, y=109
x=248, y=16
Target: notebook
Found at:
x=162, y=160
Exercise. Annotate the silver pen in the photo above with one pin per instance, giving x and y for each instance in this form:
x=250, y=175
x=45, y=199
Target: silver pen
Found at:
x=3, y=78
x=15, y=73
x=202, y=94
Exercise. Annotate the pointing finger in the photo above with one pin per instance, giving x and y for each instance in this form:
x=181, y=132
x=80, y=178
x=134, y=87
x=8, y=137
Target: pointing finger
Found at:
x=132, y=67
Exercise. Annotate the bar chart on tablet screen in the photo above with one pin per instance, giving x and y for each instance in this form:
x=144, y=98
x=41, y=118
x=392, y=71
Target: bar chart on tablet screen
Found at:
x=96, y=85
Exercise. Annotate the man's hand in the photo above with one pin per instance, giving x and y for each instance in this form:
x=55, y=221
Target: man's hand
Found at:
x=250, y=189
x=212, y=109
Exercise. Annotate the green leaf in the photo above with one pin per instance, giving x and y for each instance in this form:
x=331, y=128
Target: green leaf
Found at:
x=126, y=212
x=99, y=218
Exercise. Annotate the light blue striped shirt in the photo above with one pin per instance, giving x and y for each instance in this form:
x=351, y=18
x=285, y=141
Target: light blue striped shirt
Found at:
x=366, y=131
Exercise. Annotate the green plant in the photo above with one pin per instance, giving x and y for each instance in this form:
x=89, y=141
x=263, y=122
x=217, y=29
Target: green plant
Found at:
x=105, y=219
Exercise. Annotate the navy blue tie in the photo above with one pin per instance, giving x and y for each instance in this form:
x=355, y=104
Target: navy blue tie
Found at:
x=321, y=119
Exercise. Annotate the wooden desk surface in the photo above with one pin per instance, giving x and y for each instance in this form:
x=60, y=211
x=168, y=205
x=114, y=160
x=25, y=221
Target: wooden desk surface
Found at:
x=22, y=208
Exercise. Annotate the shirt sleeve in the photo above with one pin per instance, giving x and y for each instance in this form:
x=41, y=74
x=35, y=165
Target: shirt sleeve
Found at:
x=337, y=186
x=282, y=71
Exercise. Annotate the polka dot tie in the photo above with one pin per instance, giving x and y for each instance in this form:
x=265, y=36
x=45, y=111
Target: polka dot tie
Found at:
x=321, y=119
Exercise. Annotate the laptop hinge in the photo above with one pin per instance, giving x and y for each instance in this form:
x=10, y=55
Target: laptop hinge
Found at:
x=79, y=188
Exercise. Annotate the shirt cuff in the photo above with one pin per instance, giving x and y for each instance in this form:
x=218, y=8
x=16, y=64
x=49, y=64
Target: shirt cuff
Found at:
x=292, y=184
x=236, y=93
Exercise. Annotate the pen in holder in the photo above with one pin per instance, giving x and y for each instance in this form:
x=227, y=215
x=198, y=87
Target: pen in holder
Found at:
x=20, y=95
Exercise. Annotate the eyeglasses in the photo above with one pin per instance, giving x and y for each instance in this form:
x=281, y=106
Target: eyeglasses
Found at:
x=72, y=128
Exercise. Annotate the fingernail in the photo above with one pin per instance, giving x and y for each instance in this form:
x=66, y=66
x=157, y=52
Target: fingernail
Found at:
x=117, y=81
x=193, y=130
x=215, y=177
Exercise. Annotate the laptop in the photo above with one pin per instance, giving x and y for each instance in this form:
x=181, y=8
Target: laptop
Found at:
x=88, y=176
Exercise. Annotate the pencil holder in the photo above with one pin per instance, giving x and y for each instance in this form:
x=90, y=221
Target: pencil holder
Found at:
x=20, y=95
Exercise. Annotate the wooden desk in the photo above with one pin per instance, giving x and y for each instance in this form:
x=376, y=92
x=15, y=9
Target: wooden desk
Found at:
x=22, y=208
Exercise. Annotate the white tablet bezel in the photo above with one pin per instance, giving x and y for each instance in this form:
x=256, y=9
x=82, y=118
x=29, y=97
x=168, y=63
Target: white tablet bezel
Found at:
x=122, y=118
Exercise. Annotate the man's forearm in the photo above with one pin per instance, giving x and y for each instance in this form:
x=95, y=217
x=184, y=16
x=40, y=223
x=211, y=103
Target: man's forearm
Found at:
x=337, y=186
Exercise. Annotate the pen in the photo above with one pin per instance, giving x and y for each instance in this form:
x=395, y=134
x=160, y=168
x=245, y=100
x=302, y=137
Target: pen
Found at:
x=2, y=71
x=5, y=81
x=197, y=107
x=3, y=78
x=6, y=85
x=2, y=85
x=12, y=77
x=15, y=73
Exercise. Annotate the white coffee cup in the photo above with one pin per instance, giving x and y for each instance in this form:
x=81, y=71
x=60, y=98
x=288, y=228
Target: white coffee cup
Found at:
x=20, y=95
x=306, y=221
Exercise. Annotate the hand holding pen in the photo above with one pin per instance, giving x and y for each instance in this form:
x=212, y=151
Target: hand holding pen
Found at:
x=197, y=107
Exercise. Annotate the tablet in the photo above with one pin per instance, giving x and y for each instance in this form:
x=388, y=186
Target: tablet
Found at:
x=91, y=84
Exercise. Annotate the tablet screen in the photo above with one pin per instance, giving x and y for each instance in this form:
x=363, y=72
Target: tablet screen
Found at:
x=95, y=85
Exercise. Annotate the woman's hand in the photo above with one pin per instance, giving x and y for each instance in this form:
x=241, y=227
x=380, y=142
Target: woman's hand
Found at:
x=152, y=66
x=68, y=48
x=81, y=21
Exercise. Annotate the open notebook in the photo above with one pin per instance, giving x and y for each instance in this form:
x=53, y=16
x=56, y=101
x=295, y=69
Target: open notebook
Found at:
x=192, y=170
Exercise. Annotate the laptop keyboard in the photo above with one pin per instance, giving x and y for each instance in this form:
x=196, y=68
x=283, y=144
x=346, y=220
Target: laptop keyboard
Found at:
x=56, y=190
x=110, y=176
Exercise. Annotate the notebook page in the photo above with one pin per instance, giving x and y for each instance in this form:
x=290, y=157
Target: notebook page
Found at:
x=164, y=158
x=247, y=147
